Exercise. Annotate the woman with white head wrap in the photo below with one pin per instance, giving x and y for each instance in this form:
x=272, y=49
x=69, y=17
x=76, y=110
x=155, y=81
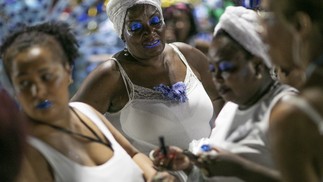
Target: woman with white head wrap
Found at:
x=117, y=11
x=242, y=79
x=151, y=88
x=242, y=25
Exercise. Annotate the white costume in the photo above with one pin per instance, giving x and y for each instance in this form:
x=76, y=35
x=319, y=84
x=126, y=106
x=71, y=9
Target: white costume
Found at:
x=244, y=132
x=148, y=115
x=120, y=168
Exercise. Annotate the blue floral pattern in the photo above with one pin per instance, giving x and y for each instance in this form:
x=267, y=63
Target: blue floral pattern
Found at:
x=177, y=92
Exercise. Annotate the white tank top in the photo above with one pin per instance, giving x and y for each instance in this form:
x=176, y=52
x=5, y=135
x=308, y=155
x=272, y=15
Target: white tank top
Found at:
x=148, y=115
x=120, y=168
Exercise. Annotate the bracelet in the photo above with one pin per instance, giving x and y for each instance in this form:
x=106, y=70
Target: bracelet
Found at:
x=151, y=155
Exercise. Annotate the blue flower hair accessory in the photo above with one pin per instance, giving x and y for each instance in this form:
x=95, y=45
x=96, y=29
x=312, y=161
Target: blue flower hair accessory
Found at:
x=177, y=92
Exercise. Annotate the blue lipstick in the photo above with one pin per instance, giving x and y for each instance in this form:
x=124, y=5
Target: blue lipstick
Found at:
x=44, y=104
x=154, y=44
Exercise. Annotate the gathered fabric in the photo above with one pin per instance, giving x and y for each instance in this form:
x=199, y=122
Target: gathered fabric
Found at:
x=117, y=9
x=242, y=25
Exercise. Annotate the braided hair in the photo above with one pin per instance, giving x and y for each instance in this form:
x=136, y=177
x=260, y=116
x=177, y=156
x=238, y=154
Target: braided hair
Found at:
x=40, y=34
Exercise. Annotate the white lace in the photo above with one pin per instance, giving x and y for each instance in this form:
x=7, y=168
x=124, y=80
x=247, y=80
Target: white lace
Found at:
x=139, y=92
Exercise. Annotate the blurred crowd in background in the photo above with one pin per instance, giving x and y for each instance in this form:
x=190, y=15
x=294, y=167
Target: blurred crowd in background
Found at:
x=190, y=21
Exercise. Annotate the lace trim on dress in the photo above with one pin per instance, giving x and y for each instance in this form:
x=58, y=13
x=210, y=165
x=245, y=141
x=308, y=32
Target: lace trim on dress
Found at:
x=143, y=93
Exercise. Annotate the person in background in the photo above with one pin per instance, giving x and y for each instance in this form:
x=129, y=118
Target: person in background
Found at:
x=243, y=79
x=180, y=23
x=89, y=23
x=67, y=141
x=152, y=88
x=296, y=125
x=12, y=137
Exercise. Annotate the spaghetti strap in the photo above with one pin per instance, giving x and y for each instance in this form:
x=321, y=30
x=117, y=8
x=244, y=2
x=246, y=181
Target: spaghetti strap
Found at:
x=309, y=110
x=180, y=54
x=129, y=85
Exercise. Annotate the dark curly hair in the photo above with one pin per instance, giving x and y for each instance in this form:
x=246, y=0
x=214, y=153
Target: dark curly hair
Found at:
x=39, y=34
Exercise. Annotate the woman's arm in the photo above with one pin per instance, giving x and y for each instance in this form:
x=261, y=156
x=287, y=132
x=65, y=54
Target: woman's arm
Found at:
x=100, y=86
x=199, y=62
x=34, y=167
x=293, y=138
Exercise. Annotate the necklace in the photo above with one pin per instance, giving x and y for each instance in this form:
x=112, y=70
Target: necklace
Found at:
x=64, y=130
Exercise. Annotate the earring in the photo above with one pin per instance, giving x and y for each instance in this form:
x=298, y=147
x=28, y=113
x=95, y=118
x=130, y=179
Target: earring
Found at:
x=125, y=50
x=126, y=53
x=71, y=80
x=259, y=75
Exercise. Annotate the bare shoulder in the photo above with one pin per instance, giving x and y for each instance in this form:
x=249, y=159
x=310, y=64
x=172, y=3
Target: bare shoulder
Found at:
x=105, y=70
x=314, y=96
x=35, y=167
x=189, y=51
x=285, y=115
x=100, y=86
x=195, y=57
x=287, y=118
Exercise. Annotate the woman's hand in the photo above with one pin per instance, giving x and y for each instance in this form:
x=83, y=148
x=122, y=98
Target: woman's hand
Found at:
x=163, y=176
x=174, y=159
x=219, y=163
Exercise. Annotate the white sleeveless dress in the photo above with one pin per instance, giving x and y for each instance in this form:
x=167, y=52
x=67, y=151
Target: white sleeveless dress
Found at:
x=148, y=115
x=120, y=168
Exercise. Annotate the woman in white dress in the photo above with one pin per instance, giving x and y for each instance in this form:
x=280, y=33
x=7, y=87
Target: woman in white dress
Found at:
x=67, y=142
x=152, y=88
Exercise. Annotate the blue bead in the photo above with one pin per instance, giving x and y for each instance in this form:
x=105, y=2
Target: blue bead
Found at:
x=206, y=148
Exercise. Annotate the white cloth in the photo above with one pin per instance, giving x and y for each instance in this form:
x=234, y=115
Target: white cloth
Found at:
x=117, y=10
x=244, y=132
x=242, y=25
x=120, y=168
x=148, y=115
x=303, y=105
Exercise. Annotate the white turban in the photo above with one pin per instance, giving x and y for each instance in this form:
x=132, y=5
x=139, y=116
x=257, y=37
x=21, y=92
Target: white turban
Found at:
x=242, y=24
x=117, y=9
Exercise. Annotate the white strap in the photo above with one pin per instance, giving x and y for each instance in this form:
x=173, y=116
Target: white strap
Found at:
x=180, y=54
x=309, y=110
x=126, y=80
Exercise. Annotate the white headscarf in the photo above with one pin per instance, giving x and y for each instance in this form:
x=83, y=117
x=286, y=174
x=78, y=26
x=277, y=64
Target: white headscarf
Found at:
x=242, y=24
x=117, y=9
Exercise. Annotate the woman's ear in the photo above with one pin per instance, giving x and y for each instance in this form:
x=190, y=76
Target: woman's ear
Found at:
x=302, y=23
x=258, y=66
x=69, y=69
